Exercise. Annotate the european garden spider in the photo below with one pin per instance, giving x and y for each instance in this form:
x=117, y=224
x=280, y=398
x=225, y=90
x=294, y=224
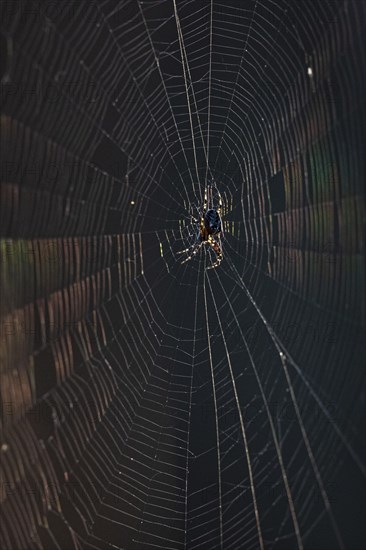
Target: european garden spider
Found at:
x=209, y=229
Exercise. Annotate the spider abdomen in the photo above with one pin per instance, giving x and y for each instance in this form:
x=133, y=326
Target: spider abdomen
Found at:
x=212, y=222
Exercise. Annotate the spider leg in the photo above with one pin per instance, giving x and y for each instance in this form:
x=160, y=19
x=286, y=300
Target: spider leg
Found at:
x=216, y=245
x=196, y=248
x=185, y=250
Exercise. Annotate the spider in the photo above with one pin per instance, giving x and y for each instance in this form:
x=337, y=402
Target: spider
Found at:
x=209, y=229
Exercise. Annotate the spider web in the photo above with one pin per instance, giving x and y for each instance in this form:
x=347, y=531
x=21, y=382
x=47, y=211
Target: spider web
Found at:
x=150, y=404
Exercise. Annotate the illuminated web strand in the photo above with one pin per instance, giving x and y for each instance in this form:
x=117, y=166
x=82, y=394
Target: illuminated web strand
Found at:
x=209, y=95
x=216, y=417
x=247, y=453
x=166, y=93
x=181, y=44
x=298, y=415
x=189, y=418
x=275, y=439
x=184, y=51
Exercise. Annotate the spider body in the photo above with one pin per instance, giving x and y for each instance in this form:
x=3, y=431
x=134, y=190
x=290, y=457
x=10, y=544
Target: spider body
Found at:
x=212, y=222
x=209, y=229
